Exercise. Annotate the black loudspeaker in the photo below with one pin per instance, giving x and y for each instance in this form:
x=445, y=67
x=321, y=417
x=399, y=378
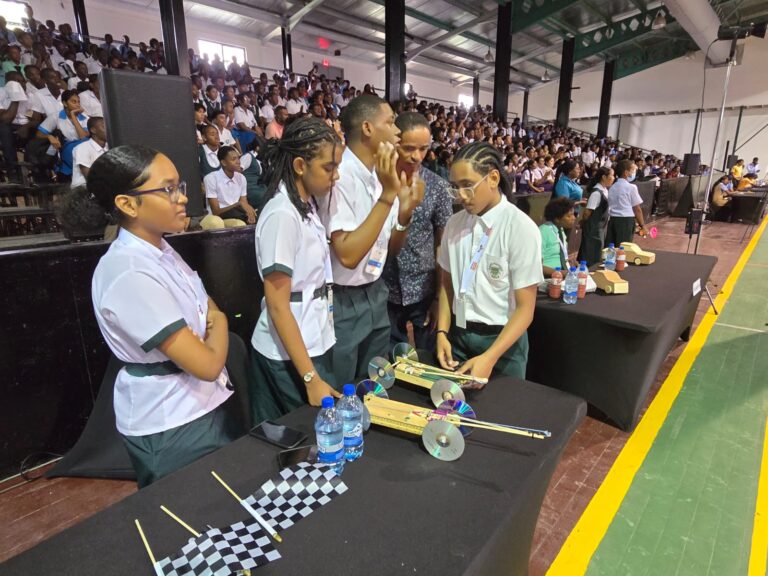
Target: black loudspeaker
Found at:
x=693, y=221
x=732, y=159
x=691, y=164
x=156, y=111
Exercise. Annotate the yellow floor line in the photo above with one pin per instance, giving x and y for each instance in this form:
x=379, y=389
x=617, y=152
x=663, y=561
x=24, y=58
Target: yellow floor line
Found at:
x=759, y=549
x=573, y=559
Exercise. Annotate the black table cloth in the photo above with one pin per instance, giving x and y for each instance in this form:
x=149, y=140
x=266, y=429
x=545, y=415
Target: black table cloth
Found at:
x=608, y=349
x=748, y=205
x=404, y=513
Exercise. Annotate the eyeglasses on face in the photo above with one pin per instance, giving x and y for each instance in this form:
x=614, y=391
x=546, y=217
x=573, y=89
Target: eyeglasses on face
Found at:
x=174, y=191
x=465, y=192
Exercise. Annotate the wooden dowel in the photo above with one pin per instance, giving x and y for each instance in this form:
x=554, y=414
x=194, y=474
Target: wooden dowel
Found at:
x=146, y=544
x=180, y=521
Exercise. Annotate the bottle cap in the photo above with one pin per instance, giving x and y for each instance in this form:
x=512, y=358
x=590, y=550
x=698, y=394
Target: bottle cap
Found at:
x=573, y=268
x=328, y=402
x=349, y=389
x=610, y=245
x=557, y=268
x=583, y=262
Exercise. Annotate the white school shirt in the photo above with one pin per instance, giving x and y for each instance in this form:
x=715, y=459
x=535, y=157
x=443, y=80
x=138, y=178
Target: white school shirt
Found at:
x=225, y=138
x=268, y=112
x=622, y=196
x=91, y=105
x=244, y=116
x=227, y=191
x=285, y=242
x=45, y=103
x=594, y=199
x=62, y=122
x=212, y=156
x=295, y=107
x=353, y=197
x=511, y=260
x=85, y=154
x=73, y=82
x=142, y=295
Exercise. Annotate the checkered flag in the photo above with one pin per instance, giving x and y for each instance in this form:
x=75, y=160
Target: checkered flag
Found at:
x=300, y=490
x=222, y=552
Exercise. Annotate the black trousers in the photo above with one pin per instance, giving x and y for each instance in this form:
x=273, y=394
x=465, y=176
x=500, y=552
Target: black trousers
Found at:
x=400, y=315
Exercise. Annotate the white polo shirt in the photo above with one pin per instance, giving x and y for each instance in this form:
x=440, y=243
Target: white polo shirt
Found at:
x=595, y=197
x=244, y=116
x=225, y=138
x=227, y=191
x=511, y=260
x=285, y=242
x=295, y=107
x=141, y=296
x=85, y=154
x=353, y=197
x=45, y=103
x=622, y=196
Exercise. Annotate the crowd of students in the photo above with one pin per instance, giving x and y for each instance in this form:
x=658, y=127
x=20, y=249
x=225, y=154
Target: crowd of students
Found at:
x=362, y=226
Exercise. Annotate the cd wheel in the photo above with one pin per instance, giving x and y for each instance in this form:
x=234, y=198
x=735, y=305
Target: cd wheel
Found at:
x=442, y=440
x=443, y=390
x=406, y=351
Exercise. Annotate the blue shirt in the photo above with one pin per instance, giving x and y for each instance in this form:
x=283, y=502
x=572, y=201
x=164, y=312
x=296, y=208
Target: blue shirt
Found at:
x=411, y=276
x=567, y=188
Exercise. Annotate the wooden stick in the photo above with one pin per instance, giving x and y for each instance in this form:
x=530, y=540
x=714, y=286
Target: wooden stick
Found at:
x=180, y=521
x=472, y=423
x=434, y=371
x=256, y=516
x=146, y=544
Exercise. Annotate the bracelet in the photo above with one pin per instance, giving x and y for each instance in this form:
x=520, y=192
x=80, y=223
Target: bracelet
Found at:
x=442, y=332
x=390, y=204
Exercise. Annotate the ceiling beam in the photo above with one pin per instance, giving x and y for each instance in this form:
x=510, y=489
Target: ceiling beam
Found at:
x=452, y=34
x=617, y=33
x=596, y=11
x=292, y=21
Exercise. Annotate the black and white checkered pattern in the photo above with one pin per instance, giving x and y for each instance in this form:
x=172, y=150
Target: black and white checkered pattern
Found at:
x=222, y=552
x=301, y=490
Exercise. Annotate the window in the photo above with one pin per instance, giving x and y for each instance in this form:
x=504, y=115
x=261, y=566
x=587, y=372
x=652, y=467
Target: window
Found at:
x=13, y=13
x=466, y=100
x=225, y=51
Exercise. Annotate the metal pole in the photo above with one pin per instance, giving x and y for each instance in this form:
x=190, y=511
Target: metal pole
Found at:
x=731, y=63
x=394, y=50
x=605, y=99
x=566, y=83
x=503, y=57
x=725, y=158
x=695, y=130
x=738, y=129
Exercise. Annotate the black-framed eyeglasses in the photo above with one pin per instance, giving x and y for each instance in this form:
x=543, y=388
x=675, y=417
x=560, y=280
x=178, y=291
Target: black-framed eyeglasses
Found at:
x=174, y=191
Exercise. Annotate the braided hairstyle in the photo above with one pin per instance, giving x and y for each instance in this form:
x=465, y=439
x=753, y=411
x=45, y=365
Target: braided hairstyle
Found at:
x=302, y=138
x=484, y=158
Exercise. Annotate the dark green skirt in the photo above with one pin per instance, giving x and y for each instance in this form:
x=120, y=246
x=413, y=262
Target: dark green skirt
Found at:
x=620, y=229
x=277, y=388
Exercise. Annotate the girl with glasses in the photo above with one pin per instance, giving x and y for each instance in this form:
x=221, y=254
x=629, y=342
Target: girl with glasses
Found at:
x=490, y=260
x=156, y=316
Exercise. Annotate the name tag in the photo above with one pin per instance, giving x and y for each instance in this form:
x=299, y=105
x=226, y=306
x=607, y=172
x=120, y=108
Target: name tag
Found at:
x=377, y=258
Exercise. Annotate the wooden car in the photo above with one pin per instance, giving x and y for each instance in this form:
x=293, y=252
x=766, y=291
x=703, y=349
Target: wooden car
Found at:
x=637, y=255
x=610, y=282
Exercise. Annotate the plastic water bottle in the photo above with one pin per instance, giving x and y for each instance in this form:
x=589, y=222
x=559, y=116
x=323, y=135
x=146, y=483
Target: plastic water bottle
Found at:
x=610, y=258
x=556, y=286
x=329, y=430
x=571, y=287
x=351, y=410
x=582, y=276
x=621, y=259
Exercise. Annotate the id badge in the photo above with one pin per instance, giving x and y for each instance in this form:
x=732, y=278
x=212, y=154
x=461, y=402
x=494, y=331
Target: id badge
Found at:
x=330, y=306
x=461, y=313
x=376, y=260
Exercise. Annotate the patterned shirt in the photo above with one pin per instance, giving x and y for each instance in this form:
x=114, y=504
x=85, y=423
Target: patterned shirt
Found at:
x=411, y=276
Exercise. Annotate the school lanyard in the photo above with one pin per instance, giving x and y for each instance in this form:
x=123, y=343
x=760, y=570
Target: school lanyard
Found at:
x=563, y=245
x=469, y=274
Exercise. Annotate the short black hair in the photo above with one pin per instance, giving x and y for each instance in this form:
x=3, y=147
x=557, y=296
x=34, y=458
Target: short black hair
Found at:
x=199, y=106
x=557, y=208
x=362, y=109
x=408, y=121
x=622, y=167
x=208, y=128
x=224, y=152
x=93, y=120
x=67, y=94
x=214, y=113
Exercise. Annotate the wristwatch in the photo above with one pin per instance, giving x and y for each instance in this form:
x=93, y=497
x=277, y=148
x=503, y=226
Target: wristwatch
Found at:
x=400, y=228
x=308, y=376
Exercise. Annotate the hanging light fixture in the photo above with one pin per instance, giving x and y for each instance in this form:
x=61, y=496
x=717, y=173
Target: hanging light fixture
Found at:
x=659, y=22
x=488, y=56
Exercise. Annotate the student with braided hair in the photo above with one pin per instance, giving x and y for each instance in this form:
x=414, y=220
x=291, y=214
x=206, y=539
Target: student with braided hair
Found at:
x=490, y=260
x=293, y=339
